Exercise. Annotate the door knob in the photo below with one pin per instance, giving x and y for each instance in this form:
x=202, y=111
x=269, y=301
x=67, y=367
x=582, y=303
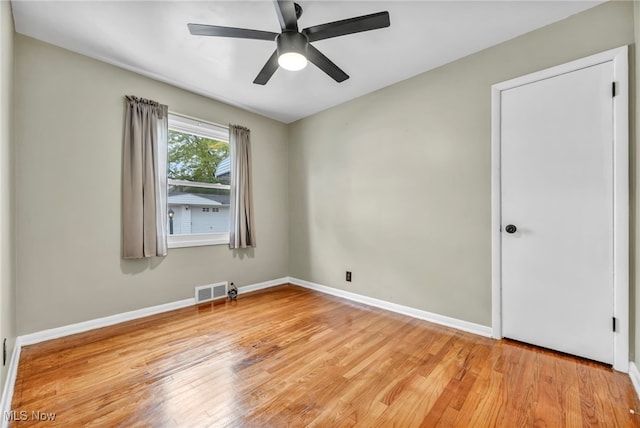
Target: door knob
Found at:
x=511, y=228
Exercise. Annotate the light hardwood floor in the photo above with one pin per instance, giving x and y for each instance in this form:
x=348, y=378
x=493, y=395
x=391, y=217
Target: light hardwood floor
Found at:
x=288, y=356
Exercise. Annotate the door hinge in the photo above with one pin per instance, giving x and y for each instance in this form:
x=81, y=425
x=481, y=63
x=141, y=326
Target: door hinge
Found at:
x=613, y=89
x=614, y=323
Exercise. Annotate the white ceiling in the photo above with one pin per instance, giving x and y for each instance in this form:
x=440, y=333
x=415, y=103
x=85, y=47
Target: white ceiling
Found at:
x=151, y=38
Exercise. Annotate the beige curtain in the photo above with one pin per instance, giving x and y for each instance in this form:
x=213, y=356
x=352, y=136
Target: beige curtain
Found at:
x=144, y=179
x=242, y=228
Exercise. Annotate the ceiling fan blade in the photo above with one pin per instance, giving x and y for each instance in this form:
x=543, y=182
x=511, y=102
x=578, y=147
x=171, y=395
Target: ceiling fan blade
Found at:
x=326, y=65
x=241, y=33
x=347, y=26
x=267, y=71
x=286, y=11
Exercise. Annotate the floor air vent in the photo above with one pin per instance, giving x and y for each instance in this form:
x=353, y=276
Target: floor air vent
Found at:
x=204, y=293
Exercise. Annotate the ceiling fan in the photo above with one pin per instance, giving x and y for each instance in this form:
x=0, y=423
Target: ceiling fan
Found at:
x=293, y=47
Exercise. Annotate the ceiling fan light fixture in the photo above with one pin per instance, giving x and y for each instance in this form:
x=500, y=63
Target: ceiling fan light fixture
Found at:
x=292, y=51
x=292, y=61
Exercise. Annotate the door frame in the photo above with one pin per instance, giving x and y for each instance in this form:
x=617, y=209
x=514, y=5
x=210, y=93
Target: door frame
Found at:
x=619, y=57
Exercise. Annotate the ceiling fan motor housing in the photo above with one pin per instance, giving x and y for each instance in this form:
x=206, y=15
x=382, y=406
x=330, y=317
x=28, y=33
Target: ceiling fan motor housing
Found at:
x=292, y=41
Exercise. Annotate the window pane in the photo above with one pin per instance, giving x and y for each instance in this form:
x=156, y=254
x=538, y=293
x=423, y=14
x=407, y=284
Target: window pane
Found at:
x=194, y=209
x=196, y=158
x=197, y=210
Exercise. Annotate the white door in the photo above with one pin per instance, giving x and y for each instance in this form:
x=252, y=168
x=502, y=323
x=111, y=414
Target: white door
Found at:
x=557, y=190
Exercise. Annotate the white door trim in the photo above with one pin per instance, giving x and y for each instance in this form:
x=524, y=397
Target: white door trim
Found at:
x=620, y=192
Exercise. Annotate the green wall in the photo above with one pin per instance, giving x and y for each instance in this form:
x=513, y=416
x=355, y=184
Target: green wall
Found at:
x=396, y=185
x=69, y=112
x=7, y=241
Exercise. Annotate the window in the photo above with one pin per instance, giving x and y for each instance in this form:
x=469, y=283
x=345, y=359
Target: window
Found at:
x=199, y=177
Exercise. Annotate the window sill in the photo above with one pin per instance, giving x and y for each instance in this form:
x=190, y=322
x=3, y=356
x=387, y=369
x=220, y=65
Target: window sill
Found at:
x=197, y=240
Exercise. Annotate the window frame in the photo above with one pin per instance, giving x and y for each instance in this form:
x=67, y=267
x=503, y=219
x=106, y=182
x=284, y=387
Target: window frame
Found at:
x=201, y=128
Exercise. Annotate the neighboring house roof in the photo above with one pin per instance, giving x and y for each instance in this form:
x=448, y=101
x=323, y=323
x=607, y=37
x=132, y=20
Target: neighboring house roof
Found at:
x=201, y=199
x=222, y=199
x=224, y=167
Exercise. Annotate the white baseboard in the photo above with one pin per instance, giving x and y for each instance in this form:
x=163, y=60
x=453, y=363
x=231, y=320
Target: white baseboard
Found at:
x=55, y=333
x=634, y=374
x=81, y=327
x=10, y=382
x=262, y=285
x=467, y=326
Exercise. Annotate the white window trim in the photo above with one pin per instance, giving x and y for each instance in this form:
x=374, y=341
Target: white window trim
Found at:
x=197, y=240
x=173, y=182
x=198, y=127
x=207, y=130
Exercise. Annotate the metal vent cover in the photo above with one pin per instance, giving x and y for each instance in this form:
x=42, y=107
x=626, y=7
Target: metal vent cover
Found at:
x=219, y=290
x=204, y=293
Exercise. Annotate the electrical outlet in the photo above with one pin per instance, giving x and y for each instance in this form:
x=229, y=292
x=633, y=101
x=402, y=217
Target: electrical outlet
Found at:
x=348, y=276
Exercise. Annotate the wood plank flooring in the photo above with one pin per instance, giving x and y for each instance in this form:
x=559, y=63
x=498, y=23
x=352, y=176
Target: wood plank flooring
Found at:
x=291, y=357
